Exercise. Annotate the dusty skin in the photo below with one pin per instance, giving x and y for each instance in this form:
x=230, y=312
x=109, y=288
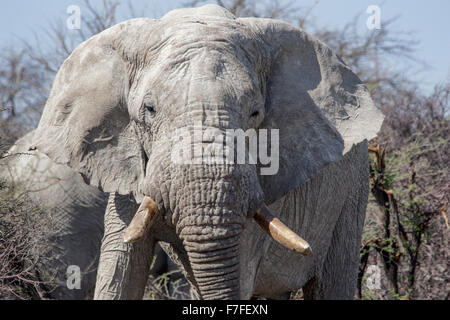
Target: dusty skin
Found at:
x=121, y=95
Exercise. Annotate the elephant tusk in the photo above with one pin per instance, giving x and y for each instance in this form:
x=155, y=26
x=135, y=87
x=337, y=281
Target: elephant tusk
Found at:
x=141, y=221
x=278, y=231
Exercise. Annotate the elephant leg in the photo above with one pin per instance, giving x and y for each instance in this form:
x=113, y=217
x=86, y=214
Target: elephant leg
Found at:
x=79, y=248
x=337, y=278
x=123, y=268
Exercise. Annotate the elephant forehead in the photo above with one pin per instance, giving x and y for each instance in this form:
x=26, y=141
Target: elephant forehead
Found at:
x=206, y=10
x=210, y=32
x=196, y=63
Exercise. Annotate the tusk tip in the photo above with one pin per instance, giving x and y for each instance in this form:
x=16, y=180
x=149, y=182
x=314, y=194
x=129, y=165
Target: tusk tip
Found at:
x=278, y=231
x=127, y=240
x=303, y=249
x=130, y=237
x=307, y=251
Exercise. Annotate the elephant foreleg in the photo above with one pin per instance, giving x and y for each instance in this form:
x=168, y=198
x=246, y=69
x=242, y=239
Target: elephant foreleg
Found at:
x=337, y=278
x=123, y=268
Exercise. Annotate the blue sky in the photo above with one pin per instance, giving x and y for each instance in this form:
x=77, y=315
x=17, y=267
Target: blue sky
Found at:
x=428, y=20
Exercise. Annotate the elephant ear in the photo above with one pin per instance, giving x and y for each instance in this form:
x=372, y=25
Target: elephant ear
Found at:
x=319, y=105
x=85, y=123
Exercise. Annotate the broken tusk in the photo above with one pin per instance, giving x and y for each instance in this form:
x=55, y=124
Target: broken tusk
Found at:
x=141, y=221
x=280, y=232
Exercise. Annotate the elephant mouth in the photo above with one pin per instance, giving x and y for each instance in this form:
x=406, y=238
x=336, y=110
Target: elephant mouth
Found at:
x=264, y=217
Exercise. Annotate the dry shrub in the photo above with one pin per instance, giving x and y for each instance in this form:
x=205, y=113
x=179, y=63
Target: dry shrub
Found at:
x=24, y=246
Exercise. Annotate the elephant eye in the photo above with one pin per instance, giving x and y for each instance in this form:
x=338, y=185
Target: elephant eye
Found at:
x=150, y=108
x=254, y=114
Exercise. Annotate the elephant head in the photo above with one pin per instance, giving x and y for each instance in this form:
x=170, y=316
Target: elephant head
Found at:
x=119, y=101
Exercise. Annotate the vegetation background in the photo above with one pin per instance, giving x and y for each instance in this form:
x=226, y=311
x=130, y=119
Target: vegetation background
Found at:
x=405, y=247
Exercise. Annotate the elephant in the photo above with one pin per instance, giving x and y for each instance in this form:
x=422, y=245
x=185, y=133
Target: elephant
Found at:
x=77, y=212
x=176, y=113
x=76, y=232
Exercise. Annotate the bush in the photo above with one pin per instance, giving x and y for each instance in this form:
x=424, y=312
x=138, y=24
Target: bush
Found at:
x=406, y=231
x=23, y=246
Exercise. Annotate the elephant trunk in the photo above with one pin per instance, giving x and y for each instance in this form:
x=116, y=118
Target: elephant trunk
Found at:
x=210, y=221
x=215, y=262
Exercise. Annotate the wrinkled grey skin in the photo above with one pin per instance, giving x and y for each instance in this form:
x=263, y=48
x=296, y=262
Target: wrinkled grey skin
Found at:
x=113, y=114
x=77, y=212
